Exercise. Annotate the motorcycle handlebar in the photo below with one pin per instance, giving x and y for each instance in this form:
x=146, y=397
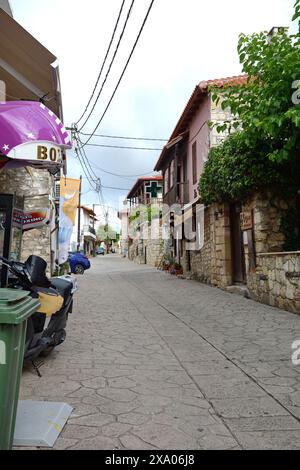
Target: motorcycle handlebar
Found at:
x=6, y=261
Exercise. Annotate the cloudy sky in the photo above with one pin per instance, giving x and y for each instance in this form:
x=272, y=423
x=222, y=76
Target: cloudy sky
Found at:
x=184, y=42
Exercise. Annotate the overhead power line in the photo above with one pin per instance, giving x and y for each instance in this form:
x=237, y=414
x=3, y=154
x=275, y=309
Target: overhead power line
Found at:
x=111, y=187
x=110, y=65
x=123, y=137
x=104, y=61
x=118, y=189
x=123, y=72
x=124, y=147
x=84, y=161
x=120, y=175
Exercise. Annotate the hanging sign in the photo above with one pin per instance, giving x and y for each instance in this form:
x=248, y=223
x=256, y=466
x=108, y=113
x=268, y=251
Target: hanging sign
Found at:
x=40, y=152
x=246, y=220
x=31, y=220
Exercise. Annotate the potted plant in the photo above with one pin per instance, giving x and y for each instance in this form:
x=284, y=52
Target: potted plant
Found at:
x=178, y=268
x=166, y=263
x=172, y=263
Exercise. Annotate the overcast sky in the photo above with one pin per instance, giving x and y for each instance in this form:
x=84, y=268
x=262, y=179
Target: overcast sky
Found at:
x=184, y=42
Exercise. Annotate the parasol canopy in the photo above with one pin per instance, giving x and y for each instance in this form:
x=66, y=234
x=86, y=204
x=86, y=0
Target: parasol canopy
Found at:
x=31, y=135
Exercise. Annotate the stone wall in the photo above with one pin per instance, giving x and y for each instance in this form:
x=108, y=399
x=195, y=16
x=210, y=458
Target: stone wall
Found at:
x=30, y=186
x=273, y=277
x=267, y=219
x=212, y=264
x=148, y=249
x=200, y=260
x=218, y=116
x=276, y=280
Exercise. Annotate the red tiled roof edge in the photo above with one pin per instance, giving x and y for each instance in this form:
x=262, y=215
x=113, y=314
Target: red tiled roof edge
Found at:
x=222, y=82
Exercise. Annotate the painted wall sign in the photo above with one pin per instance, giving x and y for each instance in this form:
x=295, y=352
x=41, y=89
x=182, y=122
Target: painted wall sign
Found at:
x=246, y=220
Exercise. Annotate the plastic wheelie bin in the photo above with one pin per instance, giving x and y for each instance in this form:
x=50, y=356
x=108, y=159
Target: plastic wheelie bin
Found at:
x=16, y=306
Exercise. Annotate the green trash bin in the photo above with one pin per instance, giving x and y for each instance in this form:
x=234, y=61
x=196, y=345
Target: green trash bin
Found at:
x=16, y=306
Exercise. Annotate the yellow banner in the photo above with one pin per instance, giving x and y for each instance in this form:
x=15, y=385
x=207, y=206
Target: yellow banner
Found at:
x=69, y=193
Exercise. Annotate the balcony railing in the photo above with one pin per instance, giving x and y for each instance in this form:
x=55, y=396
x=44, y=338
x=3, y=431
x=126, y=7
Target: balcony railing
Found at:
x=88, y=230
x=178, y=194
x=144, y=201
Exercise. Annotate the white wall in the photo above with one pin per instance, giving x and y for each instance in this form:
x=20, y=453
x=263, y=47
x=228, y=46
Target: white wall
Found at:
x=85, y=219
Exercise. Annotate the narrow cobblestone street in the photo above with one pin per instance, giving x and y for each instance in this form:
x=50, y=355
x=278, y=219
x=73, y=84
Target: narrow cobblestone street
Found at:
x=156, y=362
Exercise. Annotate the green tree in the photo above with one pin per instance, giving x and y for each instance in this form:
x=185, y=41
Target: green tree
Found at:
x=268, y=106
x=106, y=234
x=263, y=152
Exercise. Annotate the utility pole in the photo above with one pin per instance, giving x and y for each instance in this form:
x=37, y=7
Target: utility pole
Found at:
x=79, y=216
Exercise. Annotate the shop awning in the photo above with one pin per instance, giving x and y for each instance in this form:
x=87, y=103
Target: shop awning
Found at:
x=28, y=69
x=31, y=135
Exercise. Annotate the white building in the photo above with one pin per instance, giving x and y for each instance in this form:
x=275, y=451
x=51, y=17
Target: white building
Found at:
x=86, y=236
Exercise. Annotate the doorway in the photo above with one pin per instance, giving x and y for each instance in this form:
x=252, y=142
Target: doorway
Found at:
x=237, y=246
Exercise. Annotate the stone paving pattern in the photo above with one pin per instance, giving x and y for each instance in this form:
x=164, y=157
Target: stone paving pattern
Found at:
x=156, y=362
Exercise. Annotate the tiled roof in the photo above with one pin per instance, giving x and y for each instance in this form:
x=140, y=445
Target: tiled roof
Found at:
x=89, y=211
x=193, y=103
x=222, y=82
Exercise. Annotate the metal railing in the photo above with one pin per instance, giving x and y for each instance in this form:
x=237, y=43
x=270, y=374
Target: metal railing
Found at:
x=89, y=229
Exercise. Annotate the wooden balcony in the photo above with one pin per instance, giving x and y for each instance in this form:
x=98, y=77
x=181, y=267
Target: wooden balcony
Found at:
x=178, y=194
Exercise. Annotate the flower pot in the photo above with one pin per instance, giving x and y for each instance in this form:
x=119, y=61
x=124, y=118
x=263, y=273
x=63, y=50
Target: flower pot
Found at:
x=179, y=272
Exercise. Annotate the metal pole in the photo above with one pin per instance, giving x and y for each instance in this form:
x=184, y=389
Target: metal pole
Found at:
x=79, y=217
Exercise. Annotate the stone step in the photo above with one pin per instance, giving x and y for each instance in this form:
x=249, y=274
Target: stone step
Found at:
x=239, y=289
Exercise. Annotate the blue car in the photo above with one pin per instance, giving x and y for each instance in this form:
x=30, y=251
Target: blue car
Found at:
x=78, y=263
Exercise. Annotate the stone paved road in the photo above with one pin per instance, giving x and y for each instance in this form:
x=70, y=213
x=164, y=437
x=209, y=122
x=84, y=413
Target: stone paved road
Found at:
x=156, y=362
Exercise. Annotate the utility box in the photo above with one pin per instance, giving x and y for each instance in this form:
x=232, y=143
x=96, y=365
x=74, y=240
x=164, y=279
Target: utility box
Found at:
x=16, y=306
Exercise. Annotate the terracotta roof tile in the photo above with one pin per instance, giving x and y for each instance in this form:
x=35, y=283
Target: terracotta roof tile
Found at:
x=221, y=82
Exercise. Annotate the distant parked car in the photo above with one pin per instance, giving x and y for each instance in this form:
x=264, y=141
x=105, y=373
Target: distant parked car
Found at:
x=78, y=263
x=100, y=250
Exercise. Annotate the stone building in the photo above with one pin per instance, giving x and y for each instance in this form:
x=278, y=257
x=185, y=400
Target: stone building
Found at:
x=141, y=238
x=183, y=158
x=238, y=247
x=30, y=72
x=242, y=252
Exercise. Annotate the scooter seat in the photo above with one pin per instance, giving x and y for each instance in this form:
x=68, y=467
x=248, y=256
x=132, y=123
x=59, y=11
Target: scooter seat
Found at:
x=63, y=287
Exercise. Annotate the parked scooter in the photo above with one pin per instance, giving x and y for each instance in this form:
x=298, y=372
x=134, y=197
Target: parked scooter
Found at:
x=45, y=328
